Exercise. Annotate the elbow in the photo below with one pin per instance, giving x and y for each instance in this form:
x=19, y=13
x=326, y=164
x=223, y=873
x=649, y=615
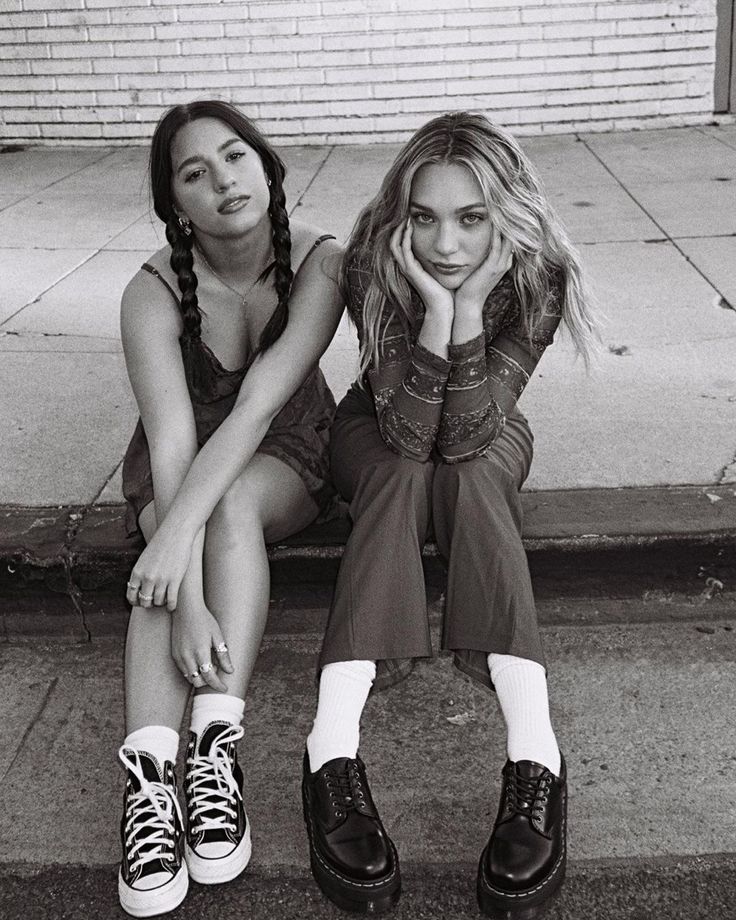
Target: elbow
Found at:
x=470, y=449
x=420, y=453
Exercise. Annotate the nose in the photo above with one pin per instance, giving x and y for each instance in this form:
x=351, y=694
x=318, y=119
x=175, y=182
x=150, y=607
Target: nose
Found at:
x=222, y=180
x=446, y=242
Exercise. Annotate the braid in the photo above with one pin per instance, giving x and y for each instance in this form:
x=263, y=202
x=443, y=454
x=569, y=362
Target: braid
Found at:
x=182, y=262
x=283, y=274
x=200, y=373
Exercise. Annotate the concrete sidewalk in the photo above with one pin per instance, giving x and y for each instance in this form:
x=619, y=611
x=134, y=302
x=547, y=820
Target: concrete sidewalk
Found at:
x=654, y=214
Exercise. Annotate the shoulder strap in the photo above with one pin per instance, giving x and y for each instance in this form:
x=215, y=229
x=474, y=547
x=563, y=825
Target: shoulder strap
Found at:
x=152, y=271
x=315, y=244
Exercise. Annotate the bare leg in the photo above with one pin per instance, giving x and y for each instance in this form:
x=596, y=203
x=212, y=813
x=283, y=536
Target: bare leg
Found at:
x=155, y=691
x=266, y=503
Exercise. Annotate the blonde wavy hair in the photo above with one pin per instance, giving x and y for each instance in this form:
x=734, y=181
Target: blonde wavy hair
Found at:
x=546, y=264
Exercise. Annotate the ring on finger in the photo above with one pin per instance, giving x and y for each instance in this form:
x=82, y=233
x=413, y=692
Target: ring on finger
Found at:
x=145, y=597
x=193, y=676
x=133, y=587
x=205, y=668
x=221, y=648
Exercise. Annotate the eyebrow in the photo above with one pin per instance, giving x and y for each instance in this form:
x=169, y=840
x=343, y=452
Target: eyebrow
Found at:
x=197, y=158
x=468, y=207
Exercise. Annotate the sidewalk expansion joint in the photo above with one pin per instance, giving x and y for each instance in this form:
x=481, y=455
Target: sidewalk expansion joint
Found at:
x=31, y=725
x=74, y=522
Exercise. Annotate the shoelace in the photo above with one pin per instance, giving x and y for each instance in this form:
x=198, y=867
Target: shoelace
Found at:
x=526, y=796
x=149, y=820
x=346, y=788
x=211, y=787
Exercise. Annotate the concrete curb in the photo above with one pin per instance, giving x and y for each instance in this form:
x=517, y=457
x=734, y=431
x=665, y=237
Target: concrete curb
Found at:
x=586, y=542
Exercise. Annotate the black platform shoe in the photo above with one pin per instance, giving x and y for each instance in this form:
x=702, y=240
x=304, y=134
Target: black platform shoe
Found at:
x=523, y=863
x=353, y=859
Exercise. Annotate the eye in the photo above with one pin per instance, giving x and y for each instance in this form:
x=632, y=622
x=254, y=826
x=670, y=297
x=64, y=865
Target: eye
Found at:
x=235, y=155
x=194, y=175
x=472, y=218
x=422, y=218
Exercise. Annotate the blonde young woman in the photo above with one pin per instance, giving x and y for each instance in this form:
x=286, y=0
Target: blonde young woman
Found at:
x=222, y=331
x=457, y=275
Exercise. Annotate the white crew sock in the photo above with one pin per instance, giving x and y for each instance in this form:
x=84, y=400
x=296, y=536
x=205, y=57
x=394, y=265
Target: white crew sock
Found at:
x=215, y=707
x=521, y=687
x=343, y=689
x=159, y=740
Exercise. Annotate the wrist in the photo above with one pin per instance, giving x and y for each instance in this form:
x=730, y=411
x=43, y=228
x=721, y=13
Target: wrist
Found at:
x=470, y=307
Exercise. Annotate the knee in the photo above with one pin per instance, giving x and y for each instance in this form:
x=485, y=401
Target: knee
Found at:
x=397, y=481
x=480, y=486
x=237, y=519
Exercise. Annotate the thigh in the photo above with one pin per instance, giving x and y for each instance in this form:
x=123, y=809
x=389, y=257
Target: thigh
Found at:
x=514, y=448
x=272, y=491
x=356, y=443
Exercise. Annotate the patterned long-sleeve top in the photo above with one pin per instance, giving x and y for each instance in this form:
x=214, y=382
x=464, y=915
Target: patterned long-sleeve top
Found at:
x=458, y=405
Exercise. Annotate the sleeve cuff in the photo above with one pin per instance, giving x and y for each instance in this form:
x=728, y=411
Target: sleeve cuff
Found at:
x=430, y=359
x=465, y=351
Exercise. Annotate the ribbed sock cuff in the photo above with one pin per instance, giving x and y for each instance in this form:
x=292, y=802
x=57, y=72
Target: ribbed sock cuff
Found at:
x=216, y=707
x=159, y=740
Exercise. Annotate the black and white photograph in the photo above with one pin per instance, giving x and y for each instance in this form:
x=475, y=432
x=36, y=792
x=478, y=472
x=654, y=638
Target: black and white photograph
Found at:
x=368, y=491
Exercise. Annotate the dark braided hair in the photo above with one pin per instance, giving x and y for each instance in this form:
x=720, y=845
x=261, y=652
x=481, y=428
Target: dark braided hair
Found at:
x=182, y=261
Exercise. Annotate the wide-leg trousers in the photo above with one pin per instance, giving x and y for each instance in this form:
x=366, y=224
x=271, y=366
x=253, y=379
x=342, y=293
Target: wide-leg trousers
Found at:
x=379, y=608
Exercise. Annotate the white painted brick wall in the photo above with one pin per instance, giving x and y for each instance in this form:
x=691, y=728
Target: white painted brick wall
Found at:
x=348, y=71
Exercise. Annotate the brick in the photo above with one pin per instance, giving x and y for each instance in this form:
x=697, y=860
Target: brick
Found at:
x=82, y=50
x=227, y=46
x=188, y=30
x=480, y=85
x=73, y=82
x=336, y=25
x=347, y=91
x=53, y=5
x=78, y=18
x=632, y=10
x=628, y=43
x=668, y=58
x=22, y=20
x=129, y=130
x=129, y=97
x=16, y=67
x=21, y=133
x=399, y=55
x=151, y=81
x=134, y=49
x=363, y=40
x=121, y=33
x=330, y=58
x=557, y=13
x=191, y=64
x=277, y=9
x=16, y=52
x=415, y=6
x=69, y=131
x=220, y=79
x=61, y=67
x=293, y=110
x=252, y=95
x=285, y=77
x=12, y=36
x=506, y=19
x=128, y=65
x=59, y=100
x=61, y=34
x=35, y=114
x=250, y=28
x=556, y=49
x=579, y=30
x=286, y=43
x=620, y=109
x=434, y=37
x=223, y=12
x=354, y=107
x=154, y=15
x=399, y=23
x=10, y=6
x=581, y=95
x=582, y=64
x=425, y=88
x=91, y=115
x=689, y=40
x=17, y=100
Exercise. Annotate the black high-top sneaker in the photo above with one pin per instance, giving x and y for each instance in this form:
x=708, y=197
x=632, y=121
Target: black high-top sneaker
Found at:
x=523, y=864
x=218, y=833
x=353, y=859
x=153, y=877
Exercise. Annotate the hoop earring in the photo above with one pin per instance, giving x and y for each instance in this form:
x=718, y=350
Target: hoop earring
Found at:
x=268, y=182
x=185, y=225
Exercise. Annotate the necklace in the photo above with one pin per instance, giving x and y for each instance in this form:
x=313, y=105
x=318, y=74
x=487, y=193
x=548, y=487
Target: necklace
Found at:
x=242, y=295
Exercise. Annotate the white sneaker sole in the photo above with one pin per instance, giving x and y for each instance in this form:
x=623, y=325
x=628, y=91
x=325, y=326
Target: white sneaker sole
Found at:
x=224, y=869
x=140, y=903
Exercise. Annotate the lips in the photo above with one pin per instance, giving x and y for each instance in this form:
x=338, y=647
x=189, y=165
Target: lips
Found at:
x=445, y=269
x=230, y=205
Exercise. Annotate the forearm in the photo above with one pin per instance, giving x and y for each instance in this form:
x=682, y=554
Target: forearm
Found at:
x=215, y=468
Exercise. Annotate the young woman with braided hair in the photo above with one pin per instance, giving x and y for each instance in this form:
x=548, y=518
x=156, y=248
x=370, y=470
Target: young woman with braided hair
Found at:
x=222, y=331
x=457, y=275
